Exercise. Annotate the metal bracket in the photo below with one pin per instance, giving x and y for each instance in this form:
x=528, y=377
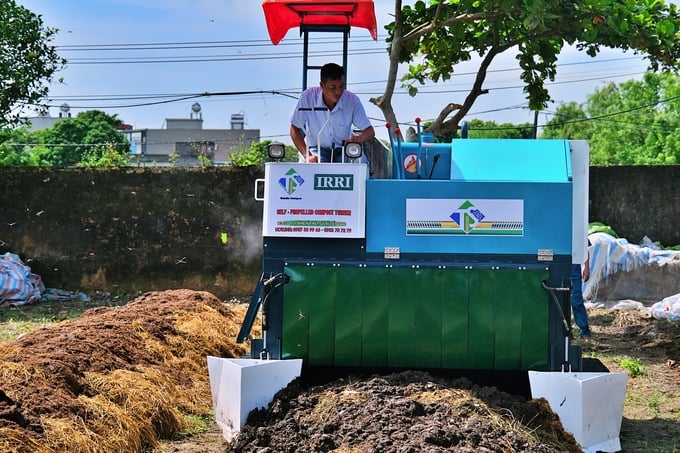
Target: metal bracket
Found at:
x=259, y=182
x=392, y=253
x=545, y=255
x=259, y=298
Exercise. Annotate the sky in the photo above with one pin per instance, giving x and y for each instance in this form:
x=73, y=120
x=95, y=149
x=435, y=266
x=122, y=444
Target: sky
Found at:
x=148, y=60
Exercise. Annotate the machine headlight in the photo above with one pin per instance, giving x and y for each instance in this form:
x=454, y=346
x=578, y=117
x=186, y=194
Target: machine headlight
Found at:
x=353, y=150
x=276, y=150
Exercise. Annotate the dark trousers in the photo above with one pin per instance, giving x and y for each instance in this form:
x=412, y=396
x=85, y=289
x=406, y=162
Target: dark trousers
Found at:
x=330, y=155
x=578, y=309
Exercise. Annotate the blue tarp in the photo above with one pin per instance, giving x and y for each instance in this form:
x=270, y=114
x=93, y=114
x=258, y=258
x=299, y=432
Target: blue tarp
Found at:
x=18, y=285
x=625, y=275
x=668, y=308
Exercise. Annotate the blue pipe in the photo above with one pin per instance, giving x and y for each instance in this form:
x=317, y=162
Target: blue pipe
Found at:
x=395, y=157
x=400, y=164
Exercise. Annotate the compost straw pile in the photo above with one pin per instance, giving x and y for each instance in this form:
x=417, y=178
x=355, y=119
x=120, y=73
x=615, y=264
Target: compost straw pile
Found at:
x=116, y=378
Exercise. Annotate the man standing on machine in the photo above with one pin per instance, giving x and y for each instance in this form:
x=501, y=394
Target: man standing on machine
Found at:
x=324, y=116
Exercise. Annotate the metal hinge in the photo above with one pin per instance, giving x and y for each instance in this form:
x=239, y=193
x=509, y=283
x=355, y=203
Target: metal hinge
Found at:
x=391, y=253
x=545, y=254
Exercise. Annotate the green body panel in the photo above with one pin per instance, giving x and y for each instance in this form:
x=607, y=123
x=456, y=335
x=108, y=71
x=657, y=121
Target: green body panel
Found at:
x=401, y=318
x=428, y=319
x=455, y=309
x=481, y=319
x=374, y=325
x=416, y=317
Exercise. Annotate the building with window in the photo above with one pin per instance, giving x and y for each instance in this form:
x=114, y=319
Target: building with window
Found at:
x=183, y=141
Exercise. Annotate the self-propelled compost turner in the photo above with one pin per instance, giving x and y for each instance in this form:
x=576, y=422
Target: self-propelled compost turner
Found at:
x=460, y=259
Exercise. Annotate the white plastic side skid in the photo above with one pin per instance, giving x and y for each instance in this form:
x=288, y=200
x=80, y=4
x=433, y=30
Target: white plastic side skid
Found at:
x=590, y=405
x=239, y=386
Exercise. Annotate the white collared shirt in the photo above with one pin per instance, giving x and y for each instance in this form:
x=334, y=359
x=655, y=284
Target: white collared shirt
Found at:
x=329, y=128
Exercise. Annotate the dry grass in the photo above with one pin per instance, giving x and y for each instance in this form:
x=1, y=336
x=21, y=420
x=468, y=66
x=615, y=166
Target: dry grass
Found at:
x=14, y=441
x=330, y=401
x=127, y=409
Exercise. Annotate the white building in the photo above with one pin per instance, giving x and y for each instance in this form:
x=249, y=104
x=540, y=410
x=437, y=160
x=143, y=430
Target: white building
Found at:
x=184, y=140
x=36, y=123
x=180, y=142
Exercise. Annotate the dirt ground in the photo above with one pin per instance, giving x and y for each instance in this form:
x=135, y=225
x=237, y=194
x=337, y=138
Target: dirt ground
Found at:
x=131, y=378
x=651, y=415
x=419, y=412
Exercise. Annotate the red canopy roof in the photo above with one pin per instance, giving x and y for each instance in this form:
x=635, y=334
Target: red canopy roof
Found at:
x=282, y=15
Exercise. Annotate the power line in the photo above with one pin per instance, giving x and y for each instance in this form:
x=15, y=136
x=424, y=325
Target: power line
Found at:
x=442, y=89
x=239, y=46
x=156, y=99
x=621, y=112
x=171, y=98
x=600, y=118
x=211, y=58
x=229, y=140
x=227, y=44
x=201, y=44
x=575, y=120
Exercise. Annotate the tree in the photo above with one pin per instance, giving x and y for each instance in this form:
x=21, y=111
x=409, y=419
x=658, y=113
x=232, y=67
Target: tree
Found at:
x=28, y=61
x=634, y=123
x=489, y=129
x=570, y=122
x=13, y=152
x=637, y=121
x=257, y=154
x=86, y=138
x=486, y=129
x=107, y=155
x=432, y=38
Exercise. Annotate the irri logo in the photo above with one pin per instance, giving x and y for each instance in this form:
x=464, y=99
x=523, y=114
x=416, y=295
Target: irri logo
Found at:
x=334, y=182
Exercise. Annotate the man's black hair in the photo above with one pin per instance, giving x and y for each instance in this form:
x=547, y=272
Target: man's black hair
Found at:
x=331, y=71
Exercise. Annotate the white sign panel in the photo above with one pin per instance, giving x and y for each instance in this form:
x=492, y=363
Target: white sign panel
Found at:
x=487, y=217
x=315, y=200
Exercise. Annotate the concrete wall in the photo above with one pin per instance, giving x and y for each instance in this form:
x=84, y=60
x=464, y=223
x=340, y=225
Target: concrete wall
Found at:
x=161, y=228
x=137, y=229
x=638, y=201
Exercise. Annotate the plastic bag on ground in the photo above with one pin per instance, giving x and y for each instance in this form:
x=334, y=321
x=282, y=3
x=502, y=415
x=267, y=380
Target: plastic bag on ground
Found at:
x=18, y=285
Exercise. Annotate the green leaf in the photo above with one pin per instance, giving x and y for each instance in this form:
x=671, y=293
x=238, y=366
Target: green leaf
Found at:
x=539, y=29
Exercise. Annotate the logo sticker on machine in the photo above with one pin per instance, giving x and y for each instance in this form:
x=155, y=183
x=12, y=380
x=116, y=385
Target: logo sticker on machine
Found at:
x=333, y=182
x=410, y=163
x=481, y=217
x=290, y=181
x=314, y=200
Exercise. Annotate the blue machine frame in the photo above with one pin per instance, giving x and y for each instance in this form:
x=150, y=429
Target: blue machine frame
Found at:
x=506, y=205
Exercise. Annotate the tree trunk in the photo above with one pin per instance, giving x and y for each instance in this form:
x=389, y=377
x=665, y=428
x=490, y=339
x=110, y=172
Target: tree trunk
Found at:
x=384, y=102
